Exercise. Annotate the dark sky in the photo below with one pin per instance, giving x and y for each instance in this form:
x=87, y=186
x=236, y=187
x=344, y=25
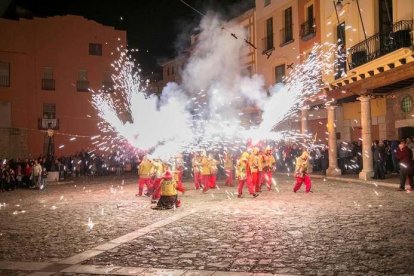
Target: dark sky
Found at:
x=156, y=26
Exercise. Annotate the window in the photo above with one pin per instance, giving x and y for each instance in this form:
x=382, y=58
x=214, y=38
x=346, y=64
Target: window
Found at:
x=95, y=49
x=107, y=83
x=287, y=32
x=267, y=2
x=48, y=83
x=268, y=40
x=407, y=104
x=279, y=73
x=48, y=120
x=82, y=85
x=4, y=74
x=49, y=111
x=172, y=70
x=168, y=71
x=308, y=28
x=309, y=12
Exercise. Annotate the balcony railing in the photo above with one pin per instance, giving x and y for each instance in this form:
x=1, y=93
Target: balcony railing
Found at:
x=4, y=81
x=48, y=84
x=286, y=35
x=45, y=124
x=381, y=44
x=268, y=43
x=82, y=86
x=308, y=29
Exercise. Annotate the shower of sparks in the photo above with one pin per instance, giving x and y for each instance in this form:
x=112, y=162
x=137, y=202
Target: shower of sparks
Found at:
x=170, y=128
x=191, y=117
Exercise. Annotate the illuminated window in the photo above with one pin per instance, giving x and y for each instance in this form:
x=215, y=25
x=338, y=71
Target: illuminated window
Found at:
x=407, y=104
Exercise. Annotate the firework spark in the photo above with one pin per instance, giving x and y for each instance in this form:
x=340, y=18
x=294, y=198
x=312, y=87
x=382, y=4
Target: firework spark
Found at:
x=209, y=109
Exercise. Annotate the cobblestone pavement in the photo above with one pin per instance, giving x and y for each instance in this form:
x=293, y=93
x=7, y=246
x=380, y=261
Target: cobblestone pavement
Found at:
x=50, y=225
x=339, y=229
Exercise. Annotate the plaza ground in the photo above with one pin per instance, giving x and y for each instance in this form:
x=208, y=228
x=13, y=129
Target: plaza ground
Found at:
x=98, y=226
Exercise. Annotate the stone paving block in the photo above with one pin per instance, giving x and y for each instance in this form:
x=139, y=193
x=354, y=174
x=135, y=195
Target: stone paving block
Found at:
x=23, y=265
x=163, y=272
x=91, y=269
x=232, y=273
x=54, y=267
x=41, y=273
x=129, y=271
x=106, y=246
x=125, y=238
x=198, y=273
x=81, y=257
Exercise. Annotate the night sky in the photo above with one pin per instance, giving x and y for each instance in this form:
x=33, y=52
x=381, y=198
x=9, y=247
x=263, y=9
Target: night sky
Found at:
x=159, y=29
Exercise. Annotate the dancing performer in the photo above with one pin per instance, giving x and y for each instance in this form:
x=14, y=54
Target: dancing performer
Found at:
x=243, y=175
x=268, y=167
x=144, y=173
x=169, y=198
x=158, y=170
x=205, y=172
x=196, y=164
x=179, y=170
x=301, y=175
x=213, y=171
x=254, y=160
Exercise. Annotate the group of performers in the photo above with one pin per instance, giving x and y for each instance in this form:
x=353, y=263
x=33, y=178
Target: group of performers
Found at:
x=253, y=168
x=162, y=181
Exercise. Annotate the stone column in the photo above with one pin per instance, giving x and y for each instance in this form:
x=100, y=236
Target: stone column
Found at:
x=333, y=169
x=367, y=165
x=304, y=120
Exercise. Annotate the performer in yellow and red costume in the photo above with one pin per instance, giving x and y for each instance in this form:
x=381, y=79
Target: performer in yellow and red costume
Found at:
x=268, y=167
x=244, y=175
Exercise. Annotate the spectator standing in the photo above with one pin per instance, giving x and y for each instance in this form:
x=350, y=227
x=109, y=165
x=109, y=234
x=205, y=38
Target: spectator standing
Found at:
x=394, y=147
x=37, y=174
x=405, y=157
x=378, y=153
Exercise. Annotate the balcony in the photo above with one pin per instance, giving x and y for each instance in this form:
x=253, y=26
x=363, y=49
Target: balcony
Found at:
x=45, y=124
x=48, y=84
x=267, y=43
x=381, y=44
x=308, y=29
x=286, y=35
x=82, y=86
x=4, y=81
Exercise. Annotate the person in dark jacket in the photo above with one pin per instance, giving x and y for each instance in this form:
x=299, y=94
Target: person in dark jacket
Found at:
x=405, y=158
x=394, y=147
x=378, y=152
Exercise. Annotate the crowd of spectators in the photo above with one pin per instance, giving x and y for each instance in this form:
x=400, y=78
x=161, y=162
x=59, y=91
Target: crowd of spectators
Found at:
x=349, y=156
x=30, y=172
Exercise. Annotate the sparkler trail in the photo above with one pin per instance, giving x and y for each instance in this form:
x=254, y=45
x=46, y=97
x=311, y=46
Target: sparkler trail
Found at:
x=208, y=110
